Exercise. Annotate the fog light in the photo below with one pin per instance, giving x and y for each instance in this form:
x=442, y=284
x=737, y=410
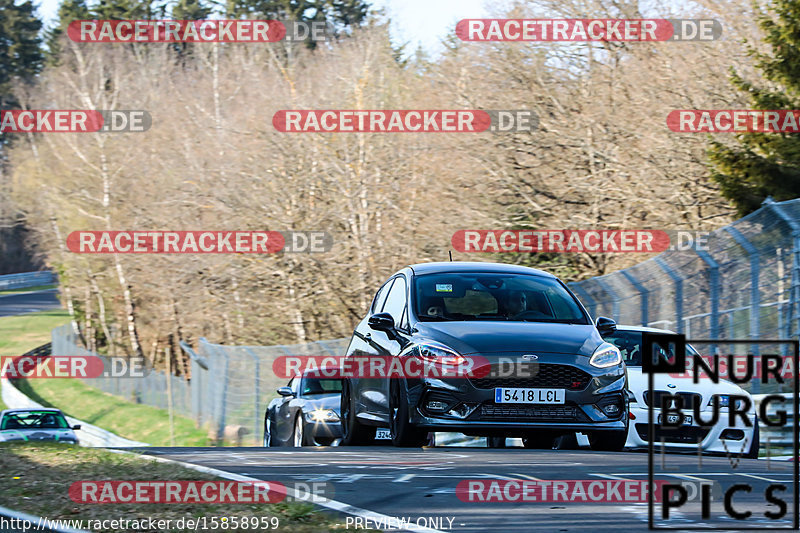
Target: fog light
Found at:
x=611, y=409
x=436, y=406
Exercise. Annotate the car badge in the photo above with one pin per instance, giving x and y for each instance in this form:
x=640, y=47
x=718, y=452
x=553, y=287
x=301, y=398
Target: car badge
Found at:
x=529, y=357
x=671, y=385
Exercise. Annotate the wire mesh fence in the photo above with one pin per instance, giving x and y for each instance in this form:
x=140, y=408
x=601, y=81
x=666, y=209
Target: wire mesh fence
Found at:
x=745, y=284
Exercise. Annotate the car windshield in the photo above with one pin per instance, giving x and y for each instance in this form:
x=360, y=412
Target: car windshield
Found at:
x=493, y=296
x=320, y=386
x=33, y=420
x=630, y=345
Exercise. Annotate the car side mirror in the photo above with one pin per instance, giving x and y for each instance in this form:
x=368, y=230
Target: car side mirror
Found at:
x=286, y=391
x=76, y=426
x=381, y=322
x=605, y=325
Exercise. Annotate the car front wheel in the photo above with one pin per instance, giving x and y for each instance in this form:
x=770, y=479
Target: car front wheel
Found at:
x=353, y=432
x=404, y=433
x=299, y=435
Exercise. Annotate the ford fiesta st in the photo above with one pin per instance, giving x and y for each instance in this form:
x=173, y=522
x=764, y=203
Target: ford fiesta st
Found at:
x=717, y=438
x=548, y=370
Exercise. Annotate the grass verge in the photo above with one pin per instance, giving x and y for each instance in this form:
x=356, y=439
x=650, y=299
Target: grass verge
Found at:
x=35, y=478
x=134, y=421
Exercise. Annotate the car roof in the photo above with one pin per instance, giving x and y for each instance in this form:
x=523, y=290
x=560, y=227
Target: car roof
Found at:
x=473, y=266
x=29, y=410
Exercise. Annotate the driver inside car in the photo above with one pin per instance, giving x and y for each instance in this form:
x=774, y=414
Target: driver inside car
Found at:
x=516, y=302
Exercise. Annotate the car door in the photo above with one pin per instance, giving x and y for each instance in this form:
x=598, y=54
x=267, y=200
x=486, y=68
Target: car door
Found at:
x=376, y=389
x=284, y=413
x=362, y=346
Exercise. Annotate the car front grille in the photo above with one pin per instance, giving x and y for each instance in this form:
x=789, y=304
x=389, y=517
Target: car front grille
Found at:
x=683, y=435
x=546, y=375
x=528, y=412
x=689, y=398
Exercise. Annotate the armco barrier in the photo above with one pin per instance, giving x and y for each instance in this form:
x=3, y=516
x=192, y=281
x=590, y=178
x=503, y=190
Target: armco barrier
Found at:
x=27, y=279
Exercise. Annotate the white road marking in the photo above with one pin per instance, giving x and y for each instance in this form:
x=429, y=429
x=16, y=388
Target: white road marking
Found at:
x=328, y=504
x=404, y=478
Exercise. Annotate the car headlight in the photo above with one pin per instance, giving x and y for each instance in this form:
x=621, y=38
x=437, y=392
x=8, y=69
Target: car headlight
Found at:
x=322, y=415
x=605, y=355
x=435, y=352
x=725, y=401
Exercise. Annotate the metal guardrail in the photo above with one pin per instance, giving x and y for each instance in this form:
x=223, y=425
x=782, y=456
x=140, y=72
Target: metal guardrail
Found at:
x=27, y=279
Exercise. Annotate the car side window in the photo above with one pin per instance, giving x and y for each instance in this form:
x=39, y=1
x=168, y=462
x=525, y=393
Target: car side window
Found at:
x=396, y=301
x=380, y=297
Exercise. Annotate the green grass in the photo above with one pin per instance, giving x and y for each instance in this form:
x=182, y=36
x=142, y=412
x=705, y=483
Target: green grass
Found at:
x=134, y=421
x=28, y=289
x=22, y=333
x=35, y=479
x=19, y=334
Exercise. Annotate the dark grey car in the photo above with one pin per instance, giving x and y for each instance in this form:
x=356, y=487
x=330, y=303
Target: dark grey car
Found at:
x=305, y=414
x=504, y=314
x=36, y=425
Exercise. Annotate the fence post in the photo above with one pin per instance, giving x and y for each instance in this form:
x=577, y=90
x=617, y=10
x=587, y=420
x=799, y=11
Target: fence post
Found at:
x=755, y=283
x=678, y=292
x=713, y=282
x=223, y=398
x=643, y=294
x=586, y=297
x=794, y=291
x=256, y=378
x=614, y=298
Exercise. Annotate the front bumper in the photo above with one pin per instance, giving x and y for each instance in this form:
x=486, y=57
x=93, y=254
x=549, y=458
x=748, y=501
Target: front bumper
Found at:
x=687, y=436
x=319, y=431
x=468, y=404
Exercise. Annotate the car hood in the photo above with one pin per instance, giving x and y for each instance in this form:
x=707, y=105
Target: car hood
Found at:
x=323, y=401
x=637, y=383
x=56, y=434
x=485, y=337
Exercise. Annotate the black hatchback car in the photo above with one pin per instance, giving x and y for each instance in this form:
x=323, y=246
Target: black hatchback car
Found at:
x=548, y=370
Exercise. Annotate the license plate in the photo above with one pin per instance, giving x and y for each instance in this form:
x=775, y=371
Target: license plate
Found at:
x=673, y=420
x=519, y=395
x=382, y=434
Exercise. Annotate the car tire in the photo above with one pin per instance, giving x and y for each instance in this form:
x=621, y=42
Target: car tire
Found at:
x=354, y=433
x=267, y=434
x=299, y=435
x=608, y=441
x=404, y=433
x=495, y=442
x=538, y=441
x=752, y=453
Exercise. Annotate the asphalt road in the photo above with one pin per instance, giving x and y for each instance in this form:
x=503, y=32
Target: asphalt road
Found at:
x=421, y=484
x=20, y=303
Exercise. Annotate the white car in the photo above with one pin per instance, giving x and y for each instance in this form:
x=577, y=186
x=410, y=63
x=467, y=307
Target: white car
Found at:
x=716, y=439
